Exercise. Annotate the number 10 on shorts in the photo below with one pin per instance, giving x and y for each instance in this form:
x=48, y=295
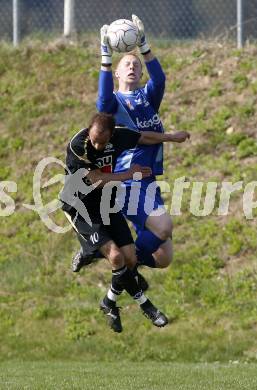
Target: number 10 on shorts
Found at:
x=94, y=238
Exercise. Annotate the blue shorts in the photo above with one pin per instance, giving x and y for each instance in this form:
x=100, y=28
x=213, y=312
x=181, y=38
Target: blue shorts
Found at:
x=141, y=199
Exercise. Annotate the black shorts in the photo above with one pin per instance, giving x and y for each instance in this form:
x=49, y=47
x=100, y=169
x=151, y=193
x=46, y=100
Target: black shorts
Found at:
x=93, y=237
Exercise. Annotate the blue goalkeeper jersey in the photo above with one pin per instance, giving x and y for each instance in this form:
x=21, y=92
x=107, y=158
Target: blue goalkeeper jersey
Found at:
x=137, y=110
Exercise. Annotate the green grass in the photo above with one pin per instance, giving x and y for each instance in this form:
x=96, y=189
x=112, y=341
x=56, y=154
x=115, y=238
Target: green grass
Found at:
x=127, y=376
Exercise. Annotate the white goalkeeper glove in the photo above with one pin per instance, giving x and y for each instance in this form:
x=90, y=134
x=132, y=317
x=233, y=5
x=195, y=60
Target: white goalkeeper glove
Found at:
x=106, y=50
x=143, y=45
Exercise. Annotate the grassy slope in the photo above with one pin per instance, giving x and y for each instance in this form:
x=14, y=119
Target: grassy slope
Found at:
x=46, y=94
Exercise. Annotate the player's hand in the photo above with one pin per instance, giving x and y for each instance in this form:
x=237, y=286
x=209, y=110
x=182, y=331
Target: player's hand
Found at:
x=106, y=50
x=142, y=171
x=179, y=136
x=142, y=44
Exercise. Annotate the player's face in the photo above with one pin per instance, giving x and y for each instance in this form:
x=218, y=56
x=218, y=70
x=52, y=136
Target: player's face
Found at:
x=129, y=70
x=99, y=138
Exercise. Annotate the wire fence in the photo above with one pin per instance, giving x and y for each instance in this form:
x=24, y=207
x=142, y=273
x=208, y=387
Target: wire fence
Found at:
x=173, y=19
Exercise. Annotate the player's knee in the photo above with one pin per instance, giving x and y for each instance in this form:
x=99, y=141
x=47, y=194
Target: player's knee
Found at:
x=167, y=261
x=130, y=262
x=164, y=255
x=165, y=231
x=164, y=261
x=129, y=254
x=161, y=226
x=116, y=259
x=164, y=234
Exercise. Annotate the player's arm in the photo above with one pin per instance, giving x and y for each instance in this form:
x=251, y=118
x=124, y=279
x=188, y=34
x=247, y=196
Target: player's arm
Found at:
x=146, y=51
x=96, y=175
x=151, y=137
x=155, y=86
x=106, y=50
x=143, y=46
x=106, y=101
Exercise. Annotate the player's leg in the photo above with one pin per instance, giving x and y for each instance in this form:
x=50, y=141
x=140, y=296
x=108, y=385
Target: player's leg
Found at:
x=153, y=226
x=121, y=234
x=108, y=305
x=164, y=254
x=86, y=234
x=160, y=228
x=81, y=258
x=153, y=237
x=129, y=253
x=95, y=238
x=123, y=278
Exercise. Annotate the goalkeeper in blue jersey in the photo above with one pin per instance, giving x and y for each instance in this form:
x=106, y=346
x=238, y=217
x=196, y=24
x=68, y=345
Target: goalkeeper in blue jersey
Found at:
x=137, y=108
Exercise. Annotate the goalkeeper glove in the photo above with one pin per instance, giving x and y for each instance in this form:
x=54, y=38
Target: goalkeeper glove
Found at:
x=106, y=50
x=143, y=45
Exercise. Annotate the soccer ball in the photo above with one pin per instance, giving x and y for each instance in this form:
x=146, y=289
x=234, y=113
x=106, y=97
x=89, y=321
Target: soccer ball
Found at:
x=123, y=35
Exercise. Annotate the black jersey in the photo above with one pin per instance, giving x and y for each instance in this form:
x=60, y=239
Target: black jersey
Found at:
x=82, y=154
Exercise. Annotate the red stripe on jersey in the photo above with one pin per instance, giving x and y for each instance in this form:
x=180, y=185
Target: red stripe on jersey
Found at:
x=106, y=169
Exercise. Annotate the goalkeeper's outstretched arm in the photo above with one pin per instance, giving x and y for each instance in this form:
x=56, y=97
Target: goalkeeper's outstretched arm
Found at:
x=106, y=101
x=156, y=84
x=143, y=45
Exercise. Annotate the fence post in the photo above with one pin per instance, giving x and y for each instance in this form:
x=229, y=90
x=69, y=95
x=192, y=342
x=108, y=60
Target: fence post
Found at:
x=16, y=22
x=240, y=26
x=69, y=19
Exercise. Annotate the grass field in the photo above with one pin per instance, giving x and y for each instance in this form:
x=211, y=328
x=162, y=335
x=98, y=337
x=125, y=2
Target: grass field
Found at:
x=150, y=376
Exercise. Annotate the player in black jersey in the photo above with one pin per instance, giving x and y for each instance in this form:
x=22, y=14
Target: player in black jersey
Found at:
x=91, y=157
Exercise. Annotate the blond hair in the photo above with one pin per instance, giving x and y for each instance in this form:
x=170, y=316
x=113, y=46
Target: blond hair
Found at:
x=131, y=53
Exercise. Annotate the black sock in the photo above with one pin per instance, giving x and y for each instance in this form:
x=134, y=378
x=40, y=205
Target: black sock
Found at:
x=135, y=270
x=116, y=286
x=108, y=302
x=124, y=278
x=146, y=304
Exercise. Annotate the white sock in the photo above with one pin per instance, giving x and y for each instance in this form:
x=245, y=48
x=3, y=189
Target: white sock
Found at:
x=113, y=294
